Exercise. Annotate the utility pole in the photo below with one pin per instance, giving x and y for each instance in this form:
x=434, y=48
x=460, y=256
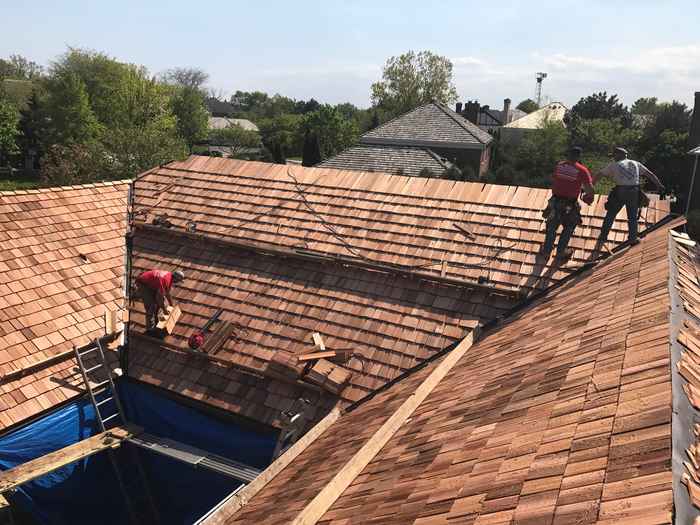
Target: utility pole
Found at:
x=539, y=76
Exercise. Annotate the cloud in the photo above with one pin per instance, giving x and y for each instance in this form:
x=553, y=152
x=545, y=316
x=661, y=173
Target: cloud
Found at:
x=467, y=61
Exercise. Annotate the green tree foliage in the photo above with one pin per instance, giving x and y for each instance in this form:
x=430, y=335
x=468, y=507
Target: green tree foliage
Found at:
x=68, y=164
x=71, y=118
x=334, y=132
x=598, y=136
x=601, y=106
x=18, y=67
x=645, y=106
x=235, y=137
x=284, y=130
x=528, y=106
x=186, y=77
x=9, y=128
x=33, y=125
x=191, y=114
x=412, y=79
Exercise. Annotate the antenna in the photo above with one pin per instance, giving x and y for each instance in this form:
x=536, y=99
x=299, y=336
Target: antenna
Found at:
x=538, y=87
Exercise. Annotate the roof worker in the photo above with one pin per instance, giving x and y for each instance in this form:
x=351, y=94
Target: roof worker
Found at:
x=626, y=173
x=154, y=288
x=563, y=209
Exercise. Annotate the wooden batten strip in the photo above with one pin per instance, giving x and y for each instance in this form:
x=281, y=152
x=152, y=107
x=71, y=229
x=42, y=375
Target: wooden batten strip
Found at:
x=323, y=501
x=234, y=504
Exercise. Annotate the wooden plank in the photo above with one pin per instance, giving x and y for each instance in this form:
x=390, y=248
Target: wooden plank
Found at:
x=39, y=467
x=318, y=341
x=111, y=322
x=167, y=324
x=328, y=354
x=218, y=338
x=347, y=473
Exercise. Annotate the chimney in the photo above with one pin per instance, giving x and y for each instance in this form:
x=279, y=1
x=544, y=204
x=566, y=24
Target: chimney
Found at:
x=458, y=107
x=694, y=135
x=506, y=112
x=471, y=111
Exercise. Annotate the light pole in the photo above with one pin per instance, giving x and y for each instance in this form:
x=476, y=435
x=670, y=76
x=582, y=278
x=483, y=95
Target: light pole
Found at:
x=696, y=153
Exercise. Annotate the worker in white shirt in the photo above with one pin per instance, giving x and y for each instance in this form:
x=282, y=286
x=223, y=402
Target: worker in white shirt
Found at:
x=627, y=174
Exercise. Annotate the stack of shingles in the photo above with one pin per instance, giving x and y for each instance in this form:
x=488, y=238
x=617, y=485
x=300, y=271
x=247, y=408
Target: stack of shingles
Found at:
x=689, y=363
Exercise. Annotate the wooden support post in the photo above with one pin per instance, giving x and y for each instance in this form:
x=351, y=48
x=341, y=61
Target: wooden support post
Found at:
x=43, y=465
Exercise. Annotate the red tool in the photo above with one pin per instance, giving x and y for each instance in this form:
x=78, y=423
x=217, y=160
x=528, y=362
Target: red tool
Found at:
x=197, y=339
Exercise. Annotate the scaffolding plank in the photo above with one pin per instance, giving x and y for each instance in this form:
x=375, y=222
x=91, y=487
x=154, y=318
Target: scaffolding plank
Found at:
x=43, y=465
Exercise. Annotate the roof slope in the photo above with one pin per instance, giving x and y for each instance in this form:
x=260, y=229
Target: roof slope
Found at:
x=442, y=228
x=61, y=266
x=560, y=415
x=388, y=159
x=429, y=125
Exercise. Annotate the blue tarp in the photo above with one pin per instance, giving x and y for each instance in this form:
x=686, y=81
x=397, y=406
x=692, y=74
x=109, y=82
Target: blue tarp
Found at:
x=87, y=492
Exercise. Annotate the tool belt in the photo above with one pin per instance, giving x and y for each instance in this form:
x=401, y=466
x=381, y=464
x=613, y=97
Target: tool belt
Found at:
x=566, y=211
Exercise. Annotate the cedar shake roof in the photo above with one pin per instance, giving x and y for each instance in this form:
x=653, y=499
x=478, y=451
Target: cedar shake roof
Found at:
x=354, y=256
x=429, y=125
x=61, y=266
x=560, y=414
x=388, y=159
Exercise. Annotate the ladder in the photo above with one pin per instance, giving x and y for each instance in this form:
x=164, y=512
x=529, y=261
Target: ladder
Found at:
x=105, y=418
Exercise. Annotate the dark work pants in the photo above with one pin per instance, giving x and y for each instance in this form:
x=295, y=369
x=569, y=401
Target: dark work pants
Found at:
x=627, y=196
x=566, y=233
x=150, y=304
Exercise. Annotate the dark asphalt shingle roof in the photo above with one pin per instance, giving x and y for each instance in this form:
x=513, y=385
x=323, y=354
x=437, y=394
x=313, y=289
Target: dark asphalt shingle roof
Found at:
x=389, y=159
x=429, y=125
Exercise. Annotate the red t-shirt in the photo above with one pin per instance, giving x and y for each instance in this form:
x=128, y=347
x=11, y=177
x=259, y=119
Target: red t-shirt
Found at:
x=568, y=178
x=157, y=280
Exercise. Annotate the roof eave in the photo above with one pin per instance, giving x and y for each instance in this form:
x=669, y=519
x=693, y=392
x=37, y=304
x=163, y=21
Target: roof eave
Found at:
x=423, y=143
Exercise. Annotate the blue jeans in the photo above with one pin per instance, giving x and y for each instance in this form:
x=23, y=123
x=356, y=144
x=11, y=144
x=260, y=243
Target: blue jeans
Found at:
x=627, y=196
x=560, y=212
x=566, y=233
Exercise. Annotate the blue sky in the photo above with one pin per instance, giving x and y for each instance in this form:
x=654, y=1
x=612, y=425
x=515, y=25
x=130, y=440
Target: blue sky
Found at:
x=334, y=50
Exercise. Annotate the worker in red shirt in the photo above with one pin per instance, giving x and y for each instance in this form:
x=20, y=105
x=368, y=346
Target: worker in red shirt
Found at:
x=563, y=209
x=154, y=288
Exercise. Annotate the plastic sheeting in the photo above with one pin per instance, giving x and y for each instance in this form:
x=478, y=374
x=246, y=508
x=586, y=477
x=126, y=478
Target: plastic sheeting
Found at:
x=87, y=492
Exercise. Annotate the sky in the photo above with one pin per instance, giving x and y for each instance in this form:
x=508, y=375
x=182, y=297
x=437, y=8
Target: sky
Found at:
x=334, y=50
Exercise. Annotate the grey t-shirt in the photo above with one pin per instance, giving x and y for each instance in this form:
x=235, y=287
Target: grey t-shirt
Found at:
x=625, y=172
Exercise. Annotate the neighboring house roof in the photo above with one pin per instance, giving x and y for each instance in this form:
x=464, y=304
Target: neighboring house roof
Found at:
x=429, y=125
x=225, y=122
x=388, y=159
x=373, y=262
x=61, y=266
x=493, y=118
x=560, y=413
x=219, y=108
x=553, y=112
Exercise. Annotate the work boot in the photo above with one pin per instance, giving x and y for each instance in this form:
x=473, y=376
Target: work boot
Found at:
x=634, y=242
x=568, y=253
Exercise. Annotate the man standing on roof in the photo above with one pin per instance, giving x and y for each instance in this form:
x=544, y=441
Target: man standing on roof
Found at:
x=154, y=287
x=563, y=209
x=627, y=174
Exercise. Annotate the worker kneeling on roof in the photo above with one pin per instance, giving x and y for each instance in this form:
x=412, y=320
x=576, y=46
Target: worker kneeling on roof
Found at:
x=563, y=209
x=154, y=287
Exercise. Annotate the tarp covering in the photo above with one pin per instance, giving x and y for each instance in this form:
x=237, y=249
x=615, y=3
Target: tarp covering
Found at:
x=87, y=492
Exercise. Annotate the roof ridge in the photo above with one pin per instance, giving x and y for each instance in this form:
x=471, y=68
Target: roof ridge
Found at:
x=464, y=123
x=34, y=191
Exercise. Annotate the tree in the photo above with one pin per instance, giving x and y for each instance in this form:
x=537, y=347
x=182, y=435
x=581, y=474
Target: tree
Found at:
x=528, y=106
x=645, y=106
x=600, y=106
x=539, y=152
x=412, y=79
x=235, y=137
x=312, y=150
x=192, y=116
x=284, y=130
x=9, y=128
x=186, y=77
x=278, y=154
x=69, y=164
x=598, y=136
x=333, y=132
x=18, y=67
x=375, y=120
x=33, y=125
x=69, y=113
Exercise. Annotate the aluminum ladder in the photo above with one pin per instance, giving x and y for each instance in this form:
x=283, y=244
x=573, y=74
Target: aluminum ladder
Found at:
x=105, y=419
